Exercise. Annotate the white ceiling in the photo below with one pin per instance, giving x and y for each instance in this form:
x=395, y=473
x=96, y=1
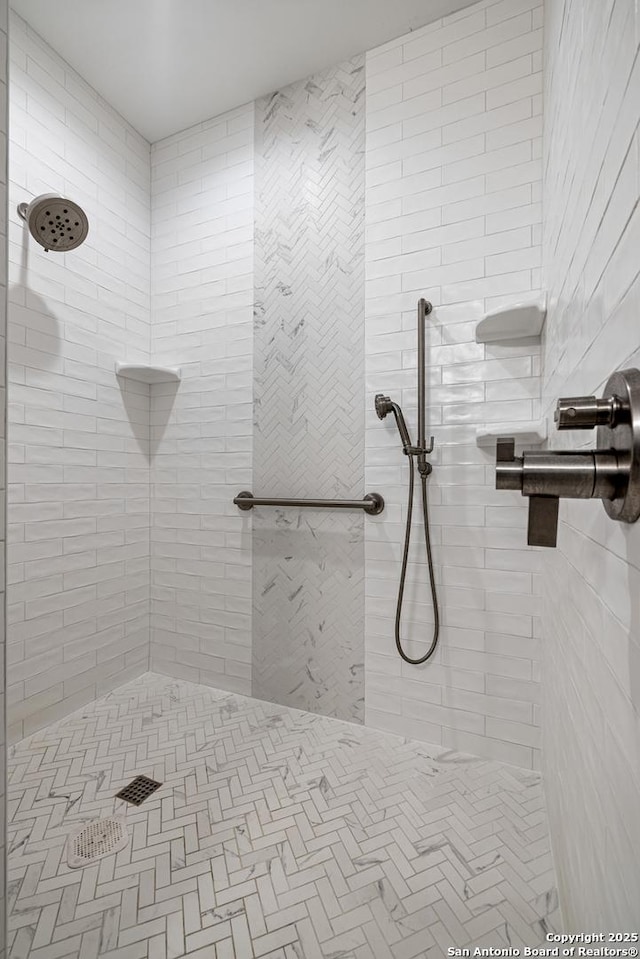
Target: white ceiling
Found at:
x=167, y=64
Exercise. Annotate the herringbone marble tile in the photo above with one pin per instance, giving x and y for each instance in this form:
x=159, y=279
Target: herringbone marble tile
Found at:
x=276, y=833
x=308, y=566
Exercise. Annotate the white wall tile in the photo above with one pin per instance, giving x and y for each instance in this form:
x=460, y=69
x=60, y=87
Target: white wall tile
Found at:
x=591, y=730
x=462, y=236
x=4, y=658
x=78, y=464
x=201, y=433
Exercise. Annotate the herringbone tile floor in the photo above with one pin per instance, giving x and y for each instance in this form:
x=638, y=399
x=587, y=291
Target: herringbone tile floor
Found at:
x=276, y=833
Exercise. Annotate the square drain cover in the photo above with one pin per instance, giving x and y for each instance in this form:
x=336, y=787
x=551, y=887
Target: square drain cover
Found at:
x=138, y=790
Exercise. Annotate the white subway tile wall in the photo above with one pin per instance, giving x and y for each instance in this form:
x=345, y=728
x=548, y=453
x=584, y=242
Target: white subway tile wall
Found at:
x=201, y=432
x=453, y=214
x=591, y=619
x=3, y=371
x=78, y=571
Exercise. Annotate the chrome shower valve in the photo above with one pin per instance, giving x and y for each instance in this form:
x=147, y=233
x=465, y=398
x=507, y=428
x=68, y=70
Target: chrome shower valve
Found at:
x=610, y=473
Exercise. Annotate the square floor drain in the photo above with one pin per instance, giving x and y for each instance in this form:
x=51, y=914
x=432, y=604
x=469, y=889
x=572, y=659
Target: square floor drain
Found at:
x=138, y=790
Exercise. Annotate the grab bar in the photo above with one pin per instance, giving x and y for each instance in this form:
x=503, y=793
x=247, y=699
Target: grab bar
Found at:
x=372, y=503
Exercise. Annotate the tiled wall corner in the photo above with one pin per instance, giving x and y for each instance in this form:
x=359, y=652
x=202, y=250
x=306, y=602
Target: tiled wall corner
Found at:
x=201, y=432
x=453, y=214
x=78, y=595
x=308, y=575
x=3, y=415
x=591, y=618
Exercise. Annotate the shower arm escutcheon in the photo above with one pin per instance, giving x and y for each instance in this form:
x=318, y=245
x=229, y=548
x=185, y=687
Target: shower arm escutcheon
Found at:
x=611, y=472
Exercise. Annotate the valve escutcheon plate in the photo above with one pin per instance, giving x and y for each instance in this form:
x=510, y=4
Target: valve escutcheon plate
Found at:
x=624, y=439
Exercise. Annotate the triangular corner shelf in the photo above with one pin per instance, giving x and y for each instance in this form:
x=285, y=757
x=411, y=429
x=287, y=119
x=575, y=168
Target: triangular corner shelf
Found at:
x=148, y=374
x=516, y=322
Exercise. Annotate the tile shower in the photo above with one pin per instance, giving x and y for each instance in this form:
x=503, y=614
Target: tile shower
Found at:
x=276, y=255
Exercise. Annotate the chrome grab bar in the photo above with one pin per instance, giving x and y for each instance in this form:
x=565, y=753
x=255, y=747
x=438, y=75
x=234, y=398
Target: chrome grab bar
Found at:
x=372, y=503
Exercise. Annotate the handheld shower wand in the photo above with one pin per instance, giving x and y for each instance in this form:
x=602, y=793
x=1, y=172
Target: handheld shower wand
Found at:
x=417, y=455
x=385, y=405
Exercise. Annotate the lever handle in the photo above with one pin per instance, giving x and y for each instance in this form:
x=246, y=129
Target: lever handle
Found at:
x=542, y=528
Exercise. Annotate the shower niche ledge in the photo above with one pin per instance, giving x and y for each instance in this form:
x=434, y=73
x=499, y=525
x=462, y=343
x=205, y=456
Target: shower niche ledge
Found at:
x=519, y=321
x=532, y=433
x=148, y=374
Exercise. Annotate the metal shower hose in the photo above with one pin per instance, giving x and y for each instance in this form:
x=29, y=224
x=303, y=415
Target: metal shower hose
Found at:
x=405, y=559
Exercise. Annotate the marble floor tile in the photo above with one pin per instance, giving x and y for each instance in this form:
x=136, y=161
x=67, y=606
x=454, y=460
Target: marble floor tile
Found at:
x=275, y=833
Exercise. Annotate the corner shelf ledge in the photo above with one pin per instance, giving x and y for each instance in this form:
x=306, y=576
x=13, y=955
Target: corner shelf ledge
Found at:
x=148, y=374
x=516, y=322
x=532, y=434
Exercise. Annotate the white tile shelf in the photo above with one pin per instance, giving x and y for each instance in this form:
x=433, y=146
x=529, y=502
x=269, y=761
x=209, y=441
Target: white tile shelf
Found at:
x=516, y=322
x=525, y=433
x=148, y=374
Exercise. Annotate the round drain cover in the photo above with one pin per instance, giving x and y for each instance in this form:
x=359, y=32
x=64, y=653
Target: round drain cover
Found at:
x=96, y=840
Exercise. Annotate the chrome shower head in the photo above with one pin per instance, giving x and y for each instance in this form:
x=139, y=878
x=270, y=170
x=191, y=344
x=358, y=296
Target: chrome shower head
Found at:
x=56, y=223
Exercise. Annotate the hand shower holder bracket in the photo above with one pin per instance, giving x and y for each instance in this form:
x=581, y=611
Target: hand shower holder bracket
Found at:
x=420, y=453
x=611, y=472
x=418, y=450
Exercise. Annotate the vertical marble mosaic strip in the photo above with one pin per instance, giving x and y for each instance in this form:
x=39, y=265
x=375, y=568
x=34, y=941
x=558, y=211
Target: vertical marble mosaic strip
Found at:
x=308, y=592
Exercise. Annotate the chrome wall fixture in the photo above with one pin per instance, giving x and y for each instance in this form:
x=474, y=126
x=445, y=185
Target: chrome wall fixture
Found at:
x=372, y=503
x=611, y=472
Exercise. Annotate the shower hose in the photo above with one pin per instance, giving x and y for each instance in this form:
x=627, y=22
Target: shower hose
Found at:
x=405, y=560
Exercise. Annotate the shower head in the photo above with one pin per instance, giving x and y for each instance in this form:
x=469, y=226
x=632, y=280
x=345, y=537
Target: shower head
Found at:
x=56, y=223
x=384, y=405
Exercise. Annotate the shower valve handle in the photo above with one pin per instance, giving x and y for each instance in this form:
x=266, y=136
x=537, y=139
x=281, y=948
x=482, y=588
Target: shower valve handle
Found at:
x=542, y=528
x=610, y=473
